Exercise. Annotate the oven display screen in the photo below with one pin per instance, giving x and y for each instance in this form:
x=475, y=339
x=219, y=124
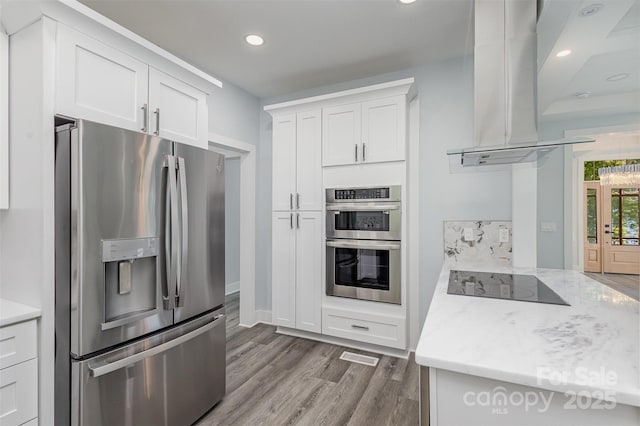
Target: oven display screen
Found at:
x=362, y=193
x=362, y=268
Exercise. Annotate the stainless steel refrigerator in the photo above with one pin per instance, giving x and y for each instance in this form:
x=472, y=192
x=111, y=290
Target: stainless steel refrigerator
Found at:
x=140, y=325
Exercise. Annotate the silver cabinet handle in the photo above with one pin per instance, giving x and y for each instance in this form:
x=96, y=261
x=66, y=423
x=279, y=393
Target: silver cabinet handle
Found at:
x=298, y=220
x=363, y=244
x=184, y=201
x=297, y=200
x=291, y=220
x=125, y=362
x=360, y=327
x=356, y=153
x=171, y=231
x=157, y=113
x=291, y=201
x=145, y=117
x=364, y=147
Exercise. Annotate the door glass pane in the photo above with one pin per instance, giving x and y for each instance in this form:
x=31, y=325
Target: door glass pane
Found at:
x=615, y=217
x=362, y=221
x=362, y=268
x=629, y=219
x=592, y=219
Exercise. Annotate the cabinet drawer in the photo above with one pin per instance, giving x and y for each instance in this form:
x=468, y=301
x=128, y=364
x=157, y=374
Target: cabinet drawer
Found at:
x=19, y=393
x=368, y=328
x=17, y=343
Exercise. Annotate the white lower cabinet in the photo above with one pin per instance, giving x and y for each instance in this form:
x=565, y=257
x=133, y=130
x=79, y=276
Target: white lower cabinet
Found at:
x=19, y=374
x=296, y=270
x=365, y=327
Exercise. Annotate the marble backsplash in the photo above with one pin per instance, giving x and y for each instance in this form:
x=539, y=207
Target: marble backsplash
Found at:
x=483, y=248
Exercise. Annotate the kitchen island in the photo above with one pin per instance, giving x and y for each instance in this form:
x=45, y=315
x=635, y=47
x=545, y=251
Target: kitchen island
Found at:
x=493, y=361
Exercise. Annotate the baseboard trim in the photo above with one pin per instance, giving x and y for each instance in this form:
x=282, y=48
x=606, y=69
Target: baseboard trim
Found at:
x=231, y=288
x=338, y=341
x=263, y=316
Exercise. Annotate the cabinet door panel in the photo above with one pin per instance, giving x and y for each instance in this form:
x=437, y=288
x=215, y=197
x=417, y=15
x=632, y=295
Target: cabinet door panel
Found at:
x=284, y=162
x=182, y=115
x=309, y=160
x=283, y=278
x=308, y=271
x=341, y=133
x=384, y=129
x=98, y=83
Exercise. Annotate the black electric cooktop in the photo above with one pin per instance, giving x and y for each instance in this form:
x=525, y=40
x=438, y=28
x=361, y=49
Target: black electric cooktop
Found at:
x=526, y=288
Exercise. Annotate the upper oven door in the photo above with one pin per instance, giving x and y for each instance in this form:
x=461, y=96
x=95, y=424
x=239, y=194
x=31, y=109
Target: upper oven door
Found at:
x=369, y=221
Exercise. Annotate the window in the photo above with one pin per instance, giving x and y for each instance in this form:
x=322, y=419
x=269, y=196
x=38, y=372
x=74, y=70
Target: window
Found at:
x=592, y=216
x=625, y=216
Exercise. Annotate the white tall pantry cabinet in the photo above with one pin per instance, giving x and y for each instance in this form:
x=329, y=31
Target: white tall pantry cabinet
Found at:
x=296, y=221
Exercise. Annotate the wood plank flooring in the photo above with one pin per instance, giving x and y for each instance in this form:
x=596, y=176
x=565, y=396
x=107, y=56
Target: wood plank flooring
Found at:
x=625, y=284
x=274, y=379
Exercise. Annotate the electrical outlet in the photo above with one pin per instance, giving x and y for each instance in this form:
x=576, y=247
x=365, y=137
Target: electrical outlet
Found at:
x=548, y=227
x=504, y=235
x=468, y=234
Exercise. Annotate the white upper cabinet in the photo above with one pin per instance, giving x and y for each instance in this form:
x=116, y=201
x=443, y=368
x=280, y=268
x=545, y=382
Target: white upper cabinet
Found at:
x=309, y=161
x=297, y=164
x=367, y=132
x=341, y=134
x=384, y=130
x=177, y=111
x=99, y=83
x=284, y=162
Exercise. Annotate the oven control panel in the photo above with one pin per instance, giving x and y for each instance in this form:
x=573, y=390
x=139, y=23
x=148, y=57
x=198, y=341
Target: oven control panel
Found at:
x=386, y=193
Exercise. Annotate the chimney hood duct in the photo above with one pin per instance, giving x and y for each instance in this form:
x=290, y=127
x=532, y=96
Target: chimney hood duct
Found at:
x=505, y=87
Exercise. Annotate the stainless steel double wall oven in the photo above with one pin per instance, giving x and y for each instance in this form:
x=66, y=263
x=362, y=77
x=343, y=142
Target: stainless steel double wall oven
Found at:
x=364, y=228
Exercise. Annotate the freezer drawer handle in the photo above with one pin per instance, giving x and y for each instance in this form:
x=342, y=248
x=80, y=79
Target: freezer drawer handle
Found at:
x=122, y=363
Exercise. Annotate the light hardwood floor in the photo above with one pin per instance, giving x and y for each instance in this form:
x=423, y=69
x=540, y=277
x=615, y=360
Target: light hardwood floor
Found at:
x=273, y=379
x=625, y=284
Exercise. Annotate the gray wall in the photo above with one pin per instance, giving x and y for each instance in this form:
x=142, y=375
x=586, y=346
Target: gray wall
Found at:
x=234, y=113
x=550, y=244
x=232, y=220
x=445, y=91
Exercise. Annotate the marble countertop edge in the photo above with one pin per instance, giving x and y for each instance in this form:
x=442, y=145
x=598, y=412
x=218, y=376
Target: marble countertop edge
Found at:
x=625, y=397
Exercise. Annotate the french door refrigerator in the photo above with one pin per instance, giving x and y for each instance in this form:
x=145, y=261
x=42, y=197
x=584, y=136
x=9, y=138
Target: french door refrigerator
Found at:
x=140, y=325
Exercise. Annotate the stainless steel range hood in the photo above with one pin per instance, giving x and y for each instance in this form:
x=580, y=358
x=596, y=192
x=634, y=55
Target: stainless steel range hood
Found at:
x=505, y=87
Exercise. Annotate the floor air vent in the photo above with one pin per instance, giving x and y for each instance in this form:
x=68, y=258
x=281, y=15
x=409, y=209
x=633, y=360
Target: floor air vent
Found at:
x=360, y=359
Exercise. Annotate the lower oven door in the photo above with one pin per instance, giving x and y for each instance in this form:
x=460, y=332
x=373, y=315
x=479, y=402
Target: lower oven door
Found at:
x=364, y=269
x=171, y=378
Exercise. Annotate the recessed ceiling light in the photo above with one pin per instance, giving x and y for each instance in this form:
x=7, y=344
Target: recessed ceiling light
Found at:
x=407, y=1
x=563, y=53
x=582, y=95
x=590, y=10
x=618, y=77
x=254, y=40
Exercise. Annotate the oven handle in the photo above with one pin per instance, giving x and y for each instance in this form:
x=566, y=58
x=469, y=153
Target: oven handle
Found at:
x=363, y=244
x=349, y=207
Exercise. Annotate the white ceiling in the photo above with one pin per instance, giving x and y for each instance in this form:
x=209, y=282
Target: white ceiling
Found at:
x=308, y=43
x=603, y=44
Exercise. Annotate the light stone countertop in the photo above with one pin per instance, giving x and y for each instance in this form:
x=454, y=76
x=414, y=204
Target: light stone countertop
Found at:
x=592, y=345
x=13, y=312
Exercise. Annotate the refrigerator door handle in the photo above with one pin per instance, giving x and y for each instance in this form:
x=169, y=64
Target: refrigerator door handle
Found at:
x=171, y=232
x=182, y=277
x=110, y=367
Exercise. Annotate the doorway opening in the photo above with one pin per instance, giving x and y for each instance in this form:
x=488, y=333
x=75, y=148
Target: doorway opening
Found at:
x=240, y=169
x=611, y=222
